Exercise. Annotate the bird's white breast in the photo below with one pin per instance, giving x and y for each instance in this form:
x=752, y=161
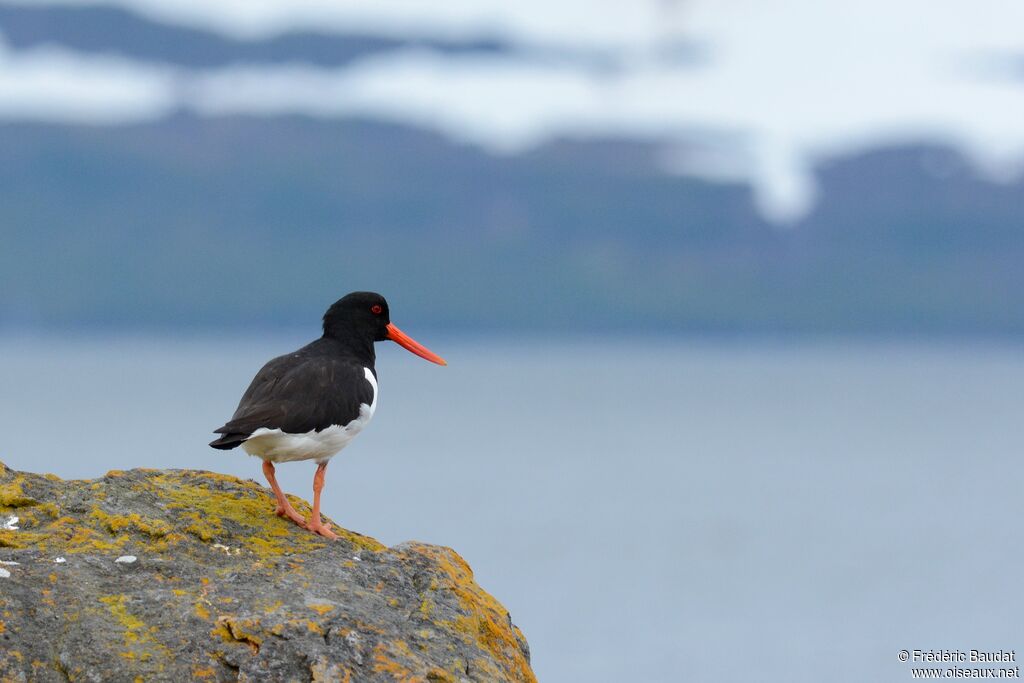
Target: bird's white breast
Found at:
x=277, y=446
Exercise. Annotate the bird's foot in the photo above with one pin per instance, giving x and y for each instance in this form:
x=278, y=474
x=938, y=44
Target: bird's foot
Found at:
x=318, y=527
x=289, y=512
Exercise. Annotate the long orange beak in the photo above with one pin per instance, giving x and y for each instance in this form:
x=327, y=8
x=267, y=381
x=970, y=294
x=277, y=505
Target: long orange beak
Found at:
x=396, y=335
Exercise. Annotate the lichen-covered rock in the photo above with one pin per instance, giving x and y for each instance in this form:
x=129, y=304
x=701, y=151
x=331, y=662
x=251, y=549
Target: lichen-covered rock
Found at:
x=176, y=575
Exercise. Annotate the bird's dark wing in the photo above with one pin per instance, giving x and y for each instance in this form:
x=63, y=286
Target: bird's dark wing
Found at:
x=298, y=394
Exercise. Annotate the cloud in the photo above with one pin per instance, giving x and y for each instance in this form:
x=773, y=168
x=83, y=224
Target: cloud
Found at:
x=787, y=82
x=778, y=123
x=56, y=85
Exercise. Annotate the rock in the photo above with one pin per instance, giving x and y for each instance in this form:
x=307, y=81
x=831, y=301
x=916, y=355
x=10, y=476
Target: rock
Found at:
x=177, y=575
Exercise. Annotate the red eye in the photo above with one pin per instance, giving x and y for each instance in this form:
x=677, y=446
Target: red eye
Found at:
x=376, y=308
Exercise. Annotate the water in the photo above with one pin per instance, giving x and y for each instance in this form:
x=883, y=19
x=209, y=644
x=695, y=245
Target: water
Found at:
x=648, y=511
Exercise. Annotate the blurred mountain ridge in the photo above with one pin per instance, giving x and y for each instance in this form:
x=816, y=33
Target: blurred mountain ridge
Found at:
x=109, y=30
x=213, y=223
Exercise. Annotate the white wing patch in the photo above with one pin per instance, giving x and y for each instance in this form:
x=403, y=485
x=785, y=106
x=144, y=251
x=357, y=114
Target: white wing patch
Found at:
x=277, y=446
x=373, y=404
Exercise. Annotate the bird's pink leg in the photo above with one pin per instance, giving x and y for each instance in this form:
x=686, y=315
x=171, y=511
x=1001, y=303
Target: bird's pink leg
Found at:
x=284, y=508
x=314, y=524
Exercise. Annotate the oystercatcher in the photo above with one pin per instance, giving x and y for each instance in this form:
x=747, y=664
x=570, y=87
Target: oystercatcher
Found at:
x=309, y=404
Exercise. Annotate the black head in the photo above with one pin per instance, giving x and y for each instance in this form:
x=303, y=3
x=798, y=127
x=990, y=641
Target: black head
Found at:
x=364, y=315
x=361, y=318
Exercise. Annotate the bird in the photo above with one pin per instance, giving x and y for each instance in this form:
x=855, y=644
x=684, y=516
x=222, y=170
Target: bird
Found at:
x=311, y=403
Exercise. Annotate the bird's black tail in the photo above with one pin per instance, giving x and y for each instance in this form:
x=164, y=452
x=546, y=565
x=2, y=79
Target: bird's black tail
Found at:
x=229, y=441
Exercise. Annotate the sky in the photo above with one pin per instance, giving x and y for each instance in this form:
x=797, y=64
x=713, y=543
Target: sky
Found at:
x=777, y=84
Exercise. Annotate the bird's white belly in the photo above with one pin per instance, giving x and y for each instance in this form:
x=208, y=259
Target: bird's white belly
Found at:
x=278, y=446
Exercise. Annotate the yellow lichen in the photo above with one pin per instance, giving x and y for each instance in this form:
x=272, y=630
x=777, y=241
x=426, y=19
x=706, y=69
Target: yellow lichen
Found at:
x=321, y=609
x=239, y=630
x=484, y=620
x=8, y=539
x=383, y=662
x=205, y=528
x=325, y=672
x=210, y=508
x=223, y=631
x=138, y=639
x=49, y=508
x=12, y=495
x=203, y=505
x=132, y=624
x=153, y=528
x=70, y=535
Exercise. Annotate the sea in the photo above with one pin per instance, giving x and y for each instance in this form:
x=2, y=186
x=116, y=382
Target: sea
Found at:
x=648, y=509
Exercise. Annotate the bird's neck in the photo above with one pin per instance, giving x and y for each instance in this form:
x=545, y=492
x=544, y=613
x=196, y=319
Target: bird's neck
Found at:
x=354, y=345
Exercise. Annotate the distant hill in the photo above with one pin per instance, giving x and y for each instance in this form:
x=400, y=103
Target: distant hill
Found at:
x=212, y=223
x=195, y=222
x=111, y=30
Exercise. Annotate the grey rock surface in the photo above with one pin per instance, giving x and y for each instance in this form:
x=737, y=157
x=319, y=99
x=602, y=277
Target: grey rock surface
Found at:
x=174, y=575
